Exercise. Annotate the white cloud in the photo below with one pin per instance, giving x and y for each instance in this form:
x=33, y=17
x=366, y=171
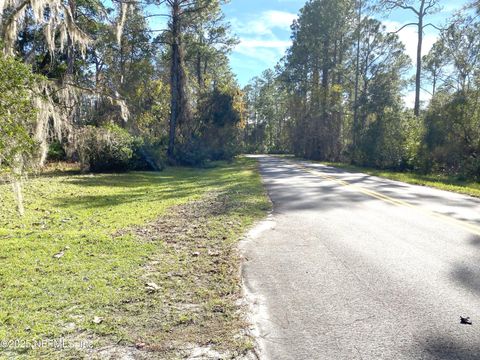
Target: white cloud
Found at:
x=249, y=44
x=409, y=98
x=267, y=52
x=264, y=24
x=258, y=36
x=256, y=27
x=279, y=19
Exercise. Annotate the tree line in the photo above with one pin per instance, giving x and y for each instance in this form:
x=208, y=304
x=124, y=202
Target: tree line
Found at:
x=337, y=94
x=102, y=71
x=116, y=85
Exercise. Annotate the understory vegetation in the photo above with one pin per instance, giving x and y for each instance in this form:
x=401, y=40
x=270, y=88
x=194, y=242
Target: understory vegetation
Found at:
x=337, y=95
x=144, y=261
x=102, y=84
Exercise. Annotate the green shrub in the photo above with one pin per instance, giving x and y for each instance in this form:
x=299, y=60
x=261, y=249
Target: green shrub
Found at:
x=192, y=153
x=391, y=140
x=105, y=149
x=149, y=155
x=17, y=115
x=56, y=152
x=452, y=139
x=471, y=169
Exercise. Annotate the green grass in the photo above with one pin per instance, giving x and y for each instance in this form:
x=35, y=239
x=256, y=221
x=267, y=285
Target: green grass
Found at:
x=443, y=182
x=96, y=221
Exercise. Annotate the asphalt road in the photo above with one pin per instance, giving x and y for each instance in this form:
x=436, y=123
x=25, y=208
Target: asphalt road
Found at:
x=351, y=266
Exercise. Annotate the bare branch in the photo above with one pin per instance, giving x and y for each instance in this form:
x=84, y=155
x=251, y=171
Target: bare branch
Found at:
x=430, y=5
x=432, y=25
x=403, y=27
x=391, y=4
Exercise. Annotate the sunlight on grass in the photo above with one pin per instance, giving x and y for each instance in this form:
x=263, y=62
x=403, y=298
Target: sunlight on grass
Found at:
x=61, y=266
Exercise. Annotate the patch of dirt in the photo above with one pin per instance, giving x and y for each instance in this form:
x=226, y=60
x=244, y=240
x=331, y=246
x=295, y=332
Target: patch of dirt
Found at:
x=190, y=308
x=184, y=220
x=117, y=352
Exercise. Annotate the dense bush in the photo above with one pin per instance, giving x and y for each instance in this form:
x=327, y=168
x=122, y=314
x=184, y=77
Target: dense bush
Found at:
x=149, y=155
x=217, y=137
x=56, y=152
x=17, y=115
x=391, y=141
x=105, y=149
x=113, y=149
x=452, y=138
x=193, y=153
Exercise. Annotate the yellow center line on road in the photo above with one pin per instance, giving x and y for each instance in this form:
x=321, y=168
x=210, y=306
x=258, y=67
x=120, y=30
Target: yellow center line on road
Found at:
x=474, y=229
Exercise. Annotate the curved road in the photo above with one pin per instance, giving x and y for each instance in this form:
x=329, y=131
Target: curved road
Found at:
x=352, y=266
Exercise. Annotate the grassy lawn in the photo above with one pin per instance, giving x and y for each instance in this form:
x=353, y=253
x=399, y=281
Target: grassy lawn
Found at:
x=443, y=182
x=76, y=266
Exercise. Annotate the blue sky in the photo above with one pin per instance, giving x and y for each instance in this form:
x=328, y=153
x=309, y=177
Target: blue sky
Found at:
x=263, y=27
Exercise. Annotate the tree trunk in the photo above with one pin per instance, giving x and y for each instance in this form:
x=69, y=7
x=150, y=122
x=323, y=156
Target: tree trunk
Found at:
x=434, y=85
x=199, y=70
x=418, y=76
x=174, y=85
x=178, y=104
x=319, y=154
x=357, y=77
x=18, y=164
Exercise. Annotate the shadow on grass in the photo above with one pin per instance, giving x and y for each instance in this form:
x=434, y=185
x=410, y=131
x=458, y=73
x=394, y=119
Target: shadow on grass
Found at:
x=174, y=183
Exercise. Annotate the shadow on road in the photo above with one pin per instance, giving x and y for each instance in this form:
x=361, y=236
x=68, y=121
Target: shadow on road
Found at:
x=278, y=170
x=412, y=272
x=308, y=194
x=448, y=349
x=467, y=276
